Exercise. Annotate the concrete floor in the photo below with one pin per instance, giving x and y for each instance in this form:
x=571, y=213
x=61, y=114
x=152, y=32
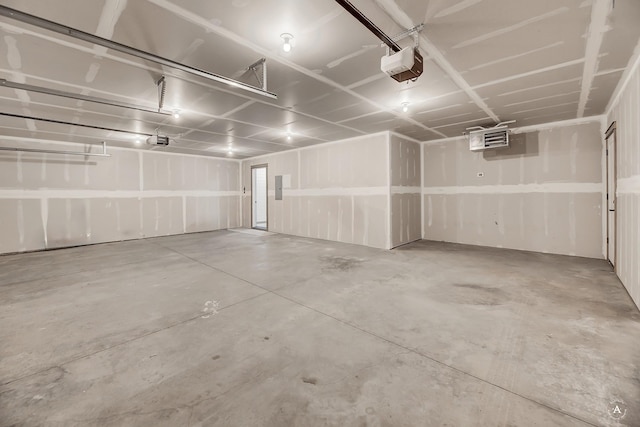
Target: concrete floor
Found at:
x=238, y=329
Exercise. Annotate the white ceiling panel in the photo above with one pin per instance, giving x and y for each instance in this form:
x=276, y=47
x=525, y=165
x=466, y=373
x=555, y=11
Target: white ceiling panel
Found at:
x=489, y=58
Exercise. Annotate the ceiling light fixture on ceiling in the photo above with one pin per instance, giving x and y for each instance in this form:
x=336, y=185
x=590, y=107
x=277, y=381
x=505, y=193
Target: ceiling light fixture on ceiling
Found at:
x=405, y=107
x=176, y=114
x=288, y=136
x=286, y=46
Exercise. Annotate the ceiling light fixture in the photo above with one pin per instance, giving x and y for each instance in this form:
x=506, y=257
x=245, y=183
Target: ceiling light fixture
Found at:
x=287, y=41
x=176, y=114
x=405, y=107
x=288, y=136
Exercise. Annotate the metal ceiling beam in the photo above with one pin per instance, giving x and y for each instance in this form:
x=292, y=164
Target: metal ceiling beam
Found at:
x=73, y=153
x=369, y=25
x=119, y=47
x=80, y=97
x=60, y=122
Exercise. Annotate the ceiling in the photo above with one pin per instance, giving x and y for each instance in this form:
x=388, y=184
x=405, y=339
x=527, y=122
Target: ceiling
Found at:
x=485, y=61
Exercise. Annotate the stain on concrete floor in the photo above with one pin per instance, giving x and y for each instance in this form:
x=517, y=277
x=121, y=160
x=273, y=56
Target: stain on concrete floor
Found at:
x=339, y=263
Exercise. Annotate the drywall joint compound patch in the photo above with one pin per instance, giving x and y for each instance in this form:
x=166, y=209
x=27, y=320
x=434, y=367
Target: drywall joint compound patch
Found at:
x=210, y=309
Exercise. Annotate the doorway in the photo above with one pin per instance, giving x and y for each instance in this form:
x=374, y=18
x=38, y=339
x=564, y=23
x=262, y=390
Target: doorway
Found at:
x=610, y=150
x=259, y=197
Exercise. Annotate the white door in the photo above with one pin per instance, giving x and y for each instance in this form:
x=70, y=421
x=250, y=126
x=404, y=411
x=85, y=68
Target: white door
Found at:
x=611, y=194
x=259, y=197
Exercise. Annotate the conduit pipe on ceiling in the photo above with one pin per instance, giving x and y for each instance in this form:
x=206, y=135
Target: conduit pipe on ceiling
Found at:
x=119, y=47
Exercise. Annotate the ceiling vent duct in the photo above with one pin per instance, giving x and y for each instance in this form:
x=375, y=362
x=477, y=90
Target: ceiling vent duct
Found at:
x=158, y=140
x=481, y=138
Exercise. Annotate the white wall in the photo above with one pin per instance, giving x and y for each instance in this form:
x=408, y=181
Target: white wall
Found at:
x=543, y=193
x=338, y=191
x=52, y=200
x=626, y=113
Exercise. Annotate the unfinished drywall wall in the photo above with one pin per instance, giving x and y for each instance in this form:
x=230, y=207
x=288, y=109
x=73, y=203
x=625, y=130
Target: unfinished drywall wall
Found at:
x=53, y=200
x=626, y=114
x=337, y=191
x=405, y=172
x=543, y=193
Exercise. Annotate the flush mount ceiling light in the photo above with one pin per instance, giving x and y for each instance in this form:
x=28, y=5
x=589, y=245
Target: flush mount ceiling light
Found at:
x=286, y=46
x=405, y=107
x=176, y=114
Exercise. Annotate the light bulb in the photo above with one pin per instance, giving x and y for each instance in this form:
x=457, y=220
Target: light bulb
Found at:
x=288, y=137
x=287, y=41
x=405, y=107
x=176, y=114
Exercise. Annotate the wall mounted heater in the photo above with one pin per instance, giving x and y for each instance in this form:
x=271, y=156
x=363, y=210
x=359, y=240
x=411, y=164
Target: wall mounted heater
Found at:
x=481, y=138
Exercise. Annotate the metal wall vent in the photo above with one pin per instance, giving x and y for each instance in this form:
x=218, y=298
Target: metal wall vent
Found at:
x=481, y=138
